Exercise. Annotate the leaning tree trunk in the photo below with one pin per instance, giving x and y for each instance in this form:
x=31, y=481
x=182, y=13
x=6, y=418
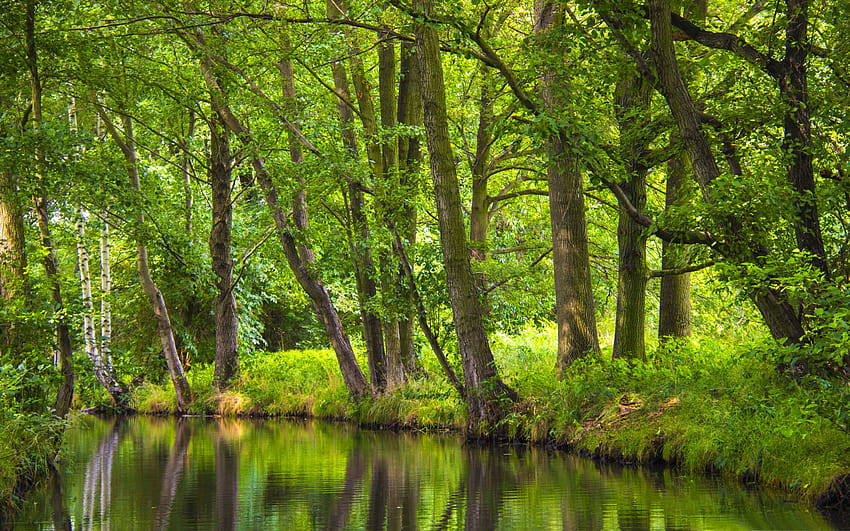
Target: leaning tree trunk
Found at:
x=781, y=318
x=577, y=335
x=226, y=322
x=353, y=377
x=65, y=353
x=487, y=397
x=360, y=236
x=127, y=144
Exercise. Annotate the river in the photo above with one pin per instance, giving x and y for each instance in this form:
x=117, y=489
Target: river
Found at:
x=192, y=473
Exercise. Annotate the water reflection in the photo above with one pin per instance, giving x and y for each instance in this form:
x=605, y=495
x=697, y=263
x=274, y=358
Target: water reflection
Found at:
x=147, y=473
x=172, y=474
x=97, y=489
x=227, y=474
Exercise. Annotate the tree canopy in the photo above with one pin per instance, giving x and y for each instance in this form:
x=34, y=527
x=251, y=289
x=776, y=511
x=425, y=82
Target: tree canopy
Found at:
x=399, y=180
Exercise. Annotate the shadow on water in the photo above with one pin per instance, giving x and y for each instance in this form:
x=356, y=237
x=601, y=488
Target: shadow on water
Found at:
x=148, y=473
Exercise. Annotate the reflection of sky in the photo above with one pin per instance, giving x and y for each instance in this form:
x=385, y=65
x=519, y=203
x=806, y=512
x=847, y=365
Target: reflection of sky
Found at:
x=153, y=473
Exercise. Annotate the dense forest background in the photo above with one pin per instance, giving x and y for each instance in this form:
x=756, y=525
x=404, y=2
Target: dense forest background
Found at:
x=186, y=184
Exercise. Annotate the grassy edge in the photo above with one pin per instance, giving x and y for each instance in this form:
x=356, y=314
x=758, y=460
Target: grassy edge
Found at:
x=739, y=419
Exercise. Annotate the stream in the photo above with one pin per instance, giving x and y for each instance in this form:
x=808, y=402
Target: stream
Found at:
x=193, y=473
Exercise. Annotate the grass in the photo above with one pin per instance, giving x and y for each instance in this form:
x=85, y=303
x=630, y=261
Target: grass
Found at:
x=27, y=442
x=702, y=406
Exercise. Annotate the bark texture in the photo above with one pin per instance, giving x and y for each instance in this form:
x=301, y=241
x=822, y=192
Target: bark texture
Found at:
x=577, y=335
x=487, y=396
x=631, y=103
x=793, y=86
x=226, y=322
x=14, y=285
x=674, y=307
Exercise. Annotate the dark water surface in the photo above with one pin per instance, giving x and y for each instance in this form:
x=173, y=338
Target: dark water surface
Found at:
x=155, y=473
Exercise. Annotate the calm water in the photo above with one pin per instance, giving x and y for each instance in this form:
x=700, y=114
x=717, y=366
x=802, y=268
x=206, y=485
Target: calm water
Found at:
x=152, y=473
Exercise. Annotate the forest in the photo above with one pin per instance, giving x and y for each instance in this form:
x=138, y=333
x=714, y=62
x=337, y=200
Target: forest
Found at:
x=617, y=227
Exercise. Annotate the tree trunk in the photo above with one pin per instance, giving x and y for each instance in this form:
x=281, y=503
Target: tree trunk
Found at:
x=182, y=391
x=364, y=269
x=793, y=86
x=674, y=307
x=487, y=396
x=103, y=370
x=355, y=382
x=479, y=220
x=105, y=340
x=410, y=160
x=14, y=285
x=226, y=322
x=65, y=353
x=632, y=102
x=577, y=335
x=780, y=317
x=186, y=171
x=392, y=281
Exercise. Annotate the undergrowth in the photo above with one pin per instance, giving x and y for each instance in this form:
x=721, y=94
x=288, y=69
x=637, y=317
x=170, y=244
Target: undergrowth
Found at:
x=702, y=406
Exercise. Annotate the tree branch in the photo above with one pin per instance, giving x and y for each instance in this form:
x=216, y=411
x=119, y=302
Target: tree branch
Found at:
x=668, y=235
x=657, y=273
x=729, y=42
x=496, y=198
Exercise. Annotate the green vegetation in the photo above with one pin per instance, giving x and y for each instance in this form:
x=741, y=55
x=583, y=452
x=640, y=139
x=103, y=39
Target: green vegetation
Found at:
x=704, y=408
x=422, y=187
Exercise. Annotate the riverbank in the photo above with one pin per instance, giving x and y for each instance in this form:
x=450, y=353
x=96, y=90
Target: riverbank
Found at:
x=701, y=408
x=27, y=444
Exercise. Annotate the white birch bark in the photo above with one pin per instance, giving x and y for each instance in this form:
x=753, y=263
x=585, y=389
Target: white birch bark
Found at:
x=85, y=285
x=105, y=340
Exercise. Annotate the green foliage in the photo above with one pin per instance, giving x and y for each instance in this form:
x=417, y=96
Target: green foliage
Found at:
x=29, y=431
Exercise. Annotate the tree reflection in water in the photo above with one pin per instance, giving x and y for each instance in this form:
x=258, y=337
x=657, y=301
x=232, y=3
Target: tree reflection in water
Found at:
x=98, y=478
x=227, y=474
x=293, y=475
x=172, y=473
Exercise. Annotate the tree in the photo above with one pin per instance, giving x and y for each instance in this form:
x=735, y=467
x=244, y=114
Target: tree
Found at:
x=64, y=353
x=298, y=256
x=104, y=372
x=487, y=397
x=577, y=334
x=360, y=235
x=125, y=140
x=226, y=321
